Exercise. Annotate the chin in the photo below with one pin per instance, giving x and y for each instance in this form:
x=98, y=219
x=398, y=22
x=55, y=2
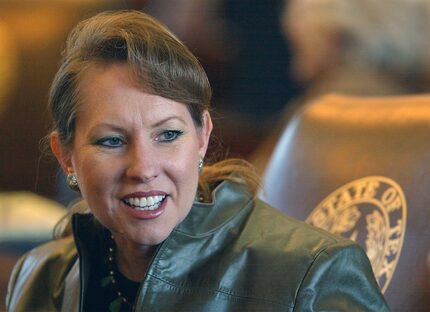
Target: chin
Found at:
x=152, y=239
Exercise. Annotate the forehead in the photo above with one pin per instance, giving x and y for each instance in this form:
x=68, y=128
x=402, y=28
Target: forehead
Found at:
x=102, y=80
x=114, y=91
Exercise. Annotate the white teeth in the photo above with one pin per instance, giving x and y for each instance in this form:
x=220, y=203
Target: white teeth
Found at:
x=145, y=203
x=142, y=202
x=150, y=201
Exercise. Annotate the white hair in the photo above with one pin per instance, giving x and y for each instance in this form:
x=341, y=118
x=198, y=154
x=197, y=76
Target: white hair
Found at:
x=387, y=35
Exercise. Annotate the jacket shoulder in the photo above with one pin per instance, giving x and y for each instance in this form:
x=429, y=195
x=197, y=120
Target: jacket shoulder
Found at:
x=37, y=280
x=287, y=229
x=309, y=265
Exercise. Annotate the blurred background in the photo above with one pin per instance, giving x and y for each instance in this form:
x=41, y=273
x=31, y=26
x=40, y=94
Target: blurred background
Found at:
x=238, y=42
x=264, y=58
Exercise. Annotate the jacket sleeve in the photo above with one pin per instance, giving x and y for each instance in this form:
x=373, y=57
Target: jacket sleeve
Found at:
x=38, y=279
x=11, y=289
x=340, y=279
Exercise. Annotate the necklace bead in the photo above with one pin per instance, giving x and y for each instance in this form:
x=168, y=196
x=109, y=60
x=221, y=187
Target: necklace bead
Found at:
x=112, y=272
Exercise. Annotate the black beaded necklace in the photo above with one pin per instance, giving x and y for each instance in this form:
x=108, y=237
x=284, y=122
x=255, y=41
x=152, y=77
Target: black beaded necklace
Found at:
x=121, y=303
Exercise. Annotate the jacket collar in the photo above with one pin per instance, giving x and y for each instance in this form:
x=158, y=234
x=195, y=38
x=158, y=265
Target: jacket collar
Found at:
x=228, y=198
x=88, y=236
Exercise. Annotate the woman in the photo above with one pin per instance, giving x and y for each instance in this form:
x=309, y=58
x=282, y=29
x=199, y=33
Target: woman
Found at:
x=156, y=231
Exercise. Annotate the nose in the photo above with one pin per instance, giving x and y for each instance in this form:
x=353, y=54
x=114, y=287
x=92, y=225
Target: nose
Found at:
x=142, y=163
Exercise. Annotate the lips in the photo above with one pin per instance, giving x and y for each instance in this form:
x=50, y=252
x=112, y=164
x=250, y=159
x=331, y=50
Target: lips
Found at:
x=145, y=205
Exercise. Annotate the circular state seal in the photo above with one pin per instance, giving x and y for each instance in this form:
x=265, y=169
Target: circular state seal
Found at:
x=371, y=211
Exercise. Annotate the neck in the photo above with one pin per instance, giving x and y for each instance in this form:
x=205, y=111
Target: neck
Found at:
x=132, y=259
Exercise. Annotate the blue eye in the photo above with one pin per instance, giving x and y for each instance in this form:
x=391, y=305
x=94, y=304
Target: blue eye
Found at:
x=111, y=142
x=169, y=135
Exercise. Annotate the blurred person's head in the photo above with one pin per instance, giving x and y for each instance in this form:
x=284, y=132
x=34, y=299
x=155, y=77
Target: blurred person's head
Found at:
x=382, y=35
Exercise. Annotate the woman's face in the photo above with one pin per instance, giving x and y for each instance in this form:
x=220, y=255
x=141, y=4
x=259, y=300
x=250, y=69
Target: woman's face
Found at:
x=135, y=155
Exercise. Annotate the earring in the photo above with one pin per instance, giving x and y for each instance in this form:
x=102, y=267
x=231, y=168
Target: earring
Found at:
x=72, y=181
x=200, y=165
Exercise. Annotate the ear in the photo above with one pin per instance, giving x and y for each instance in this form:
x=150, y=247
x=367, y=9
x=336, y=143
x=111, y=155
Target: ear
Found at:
x=205, y=133
x=60, y=153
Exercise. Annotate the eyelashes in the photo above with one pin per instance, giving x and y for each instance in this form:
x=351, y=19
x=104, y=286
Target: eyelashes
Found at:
x=165, y=136
x=111, y=142
x=169, y=135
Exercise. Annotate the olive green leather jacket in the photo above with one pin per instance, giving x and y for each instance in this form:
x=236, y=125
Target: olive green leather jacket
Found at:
x=235, y=254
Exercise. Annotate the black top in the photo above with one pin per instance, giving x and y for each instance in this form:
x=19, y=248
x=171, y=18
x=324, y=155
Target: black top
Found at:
x=102, y=294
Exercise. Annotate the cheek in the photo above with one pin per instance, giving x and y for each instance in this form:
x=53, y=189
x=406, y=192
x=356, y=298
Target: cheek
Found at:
x=97, y=189
x=184, y=173
x=184, y=160
x=95, y=177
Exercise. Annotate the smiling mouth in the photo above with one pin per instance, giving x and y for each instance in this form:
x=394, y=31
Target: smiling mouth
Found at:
x=145, y=203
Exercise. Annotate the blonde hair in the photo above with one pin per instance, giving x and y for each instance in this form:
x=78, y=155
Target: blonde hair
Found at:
x=164, y=67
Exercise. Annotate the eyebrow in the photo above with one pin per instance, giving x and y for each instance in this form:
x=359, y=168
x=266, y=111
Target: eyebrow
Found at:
x=159, y=123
